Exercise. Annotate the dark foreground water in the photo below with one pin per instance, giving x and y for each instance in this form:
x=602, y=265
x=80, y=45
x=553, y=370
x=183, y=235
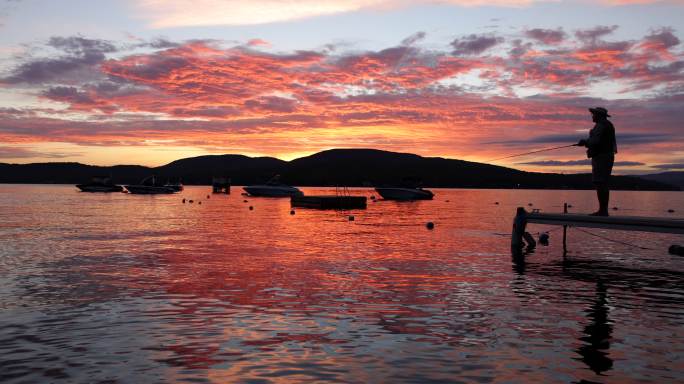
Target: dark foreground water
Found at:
x=143, y=289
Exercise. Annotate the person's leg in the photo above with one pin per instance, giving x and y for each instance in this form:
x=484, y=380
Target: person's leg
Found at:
x=601, y=168
x=602, y=193
x=603, y=197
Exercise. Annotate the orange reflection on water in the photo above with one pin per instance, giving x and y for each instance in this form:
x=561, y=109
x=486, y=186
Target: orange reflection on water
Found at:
x=218, y=291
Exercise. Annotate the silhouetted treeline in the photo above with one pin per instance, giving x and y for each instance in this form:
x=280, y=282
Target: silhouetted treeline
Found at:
x=349, y=167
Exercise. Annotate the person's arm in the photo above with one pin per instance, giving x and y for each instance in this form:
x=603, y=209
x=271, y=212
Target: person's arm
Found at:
x=595, y=136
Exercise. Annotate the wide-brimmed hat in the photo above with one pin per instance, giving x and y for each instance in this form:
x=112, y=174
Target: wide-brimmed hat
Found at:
x=599, y=111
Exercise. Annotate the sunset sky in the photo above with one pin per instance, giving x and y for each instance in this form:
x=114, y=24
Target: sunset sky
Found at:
x=151, y=81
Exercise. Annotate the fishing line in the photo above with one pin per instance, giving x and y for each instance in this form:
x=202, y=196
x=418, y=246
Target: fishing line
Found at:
x=615, y=241
x=537, y=151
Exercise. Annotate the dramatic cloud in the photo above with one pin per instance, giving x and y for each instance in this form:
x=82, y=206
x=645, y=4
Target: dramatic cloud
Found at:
x=669, y=167
x=247, y=98
x=546, y=36
x=79, y=55
x=23, y=153
x=474, y=44
x=416, y=37
x=593, y=34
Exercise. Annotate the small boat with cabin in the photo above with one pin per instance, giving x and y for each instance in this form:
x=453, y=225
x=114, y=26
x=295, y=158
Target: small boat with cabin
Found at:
x=404, y=193
x=408, y=190
x=100, y=184
x=174, y=184
x=148, y=186
x=273, y=188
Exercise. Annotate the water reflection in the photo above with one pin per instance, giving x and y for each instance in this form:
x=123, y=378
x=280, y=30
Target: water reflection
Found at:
x=598, y=332
x=153, y=290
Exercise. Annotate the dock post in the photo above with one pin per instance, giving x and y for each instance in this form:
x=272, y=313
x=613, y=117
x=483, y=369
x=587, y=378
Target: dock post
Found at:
x=565, y=231
x=519, y=224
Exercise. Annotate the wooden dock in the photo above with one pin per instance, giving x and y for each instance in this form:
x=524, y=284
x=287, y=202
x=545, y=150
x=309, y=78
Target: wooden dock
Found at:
x=329, y=202
x=622, y=223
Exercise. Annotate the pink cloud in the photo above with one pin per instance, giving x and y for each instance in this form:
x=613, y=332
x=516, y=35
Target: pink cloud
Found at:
x=402, y=98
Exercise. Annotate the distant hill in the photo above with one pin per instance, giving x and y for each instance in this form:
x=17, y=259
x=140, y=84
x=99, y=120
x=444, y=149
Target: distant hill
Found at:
x=349, y=167
x=674, y=178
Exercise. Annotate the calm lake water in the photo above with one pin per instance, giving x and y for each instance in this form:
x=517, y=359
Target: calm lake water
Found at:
x=143, y=289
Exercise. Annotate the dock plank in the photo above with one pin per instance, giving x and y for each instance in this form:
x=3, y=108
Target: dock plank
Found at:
x=625, y=223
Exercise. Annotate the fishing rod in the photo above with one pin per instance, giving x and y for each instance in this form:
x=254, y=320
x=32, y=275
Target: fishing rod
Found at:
x=537, y=151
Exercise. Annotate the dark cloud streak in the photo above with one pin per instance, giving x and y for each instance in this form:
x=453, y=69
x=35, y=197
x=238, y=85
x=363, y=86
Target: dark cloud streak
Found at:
x=474, y=44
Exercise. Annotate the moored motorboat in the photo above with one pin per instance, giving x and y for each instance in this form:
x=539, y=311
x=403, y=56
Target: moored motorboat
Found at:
x=266, y=190
x=100, y=184
x=148, y=187
x=404, y=193
x=273, y=188
x=176, y=185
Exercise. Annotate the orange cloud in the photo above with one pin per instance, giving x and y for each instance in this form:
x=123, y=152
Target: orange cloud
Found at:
x=200, y=96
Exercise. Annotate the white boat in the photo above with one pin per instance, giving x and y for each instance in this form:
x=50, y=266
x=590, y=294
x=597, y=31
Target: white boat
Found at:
x=406, y=194
x=148, y=187
x=100, y=184
x=273, y=188
x=176, y=185
x=266, y=190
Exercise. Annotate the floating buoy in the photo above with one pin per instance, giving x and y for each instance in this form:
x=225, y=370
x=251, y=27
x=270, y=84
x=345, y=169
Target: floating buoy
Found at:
x=615, y=208
x=199, y=202
x=244, y=201
x=529, y=204
x=372, y=197
x=569, y=205
x=191, y=201
x=208, y=197
x=351, y=217
x=292, y=212
x=544, y=239
x=447, y=201
x=496, y=203
x=676, y=250
x=251, y=208
x=670, y=210
x=183, y=201
x=430, y=225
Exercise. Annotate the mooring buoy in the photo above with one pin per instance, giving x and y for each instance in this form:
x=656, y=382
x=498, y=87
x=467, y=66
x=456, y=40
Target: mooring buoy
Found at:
x=351, y=217
x=670, y=210
x=244, y=201
x=251, y=208
x=191, y=201
x=199, y=202
x=447, y=201
x=292, y=212
x=372, y=197
x=208, y=197
x=676, y=250
x=615, y=208
x=183, y=201
x=544, y=239
x=496, y=203
x=529, y=204
x=430, y=225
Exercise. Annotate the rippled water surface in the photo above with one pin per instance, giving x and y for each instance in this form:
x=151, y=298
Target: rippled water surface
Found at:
x=125, y=288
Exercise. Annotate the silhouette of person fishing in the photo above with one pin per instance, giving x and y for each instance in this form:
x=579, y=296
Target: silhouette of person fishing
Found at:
x=601, y=149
